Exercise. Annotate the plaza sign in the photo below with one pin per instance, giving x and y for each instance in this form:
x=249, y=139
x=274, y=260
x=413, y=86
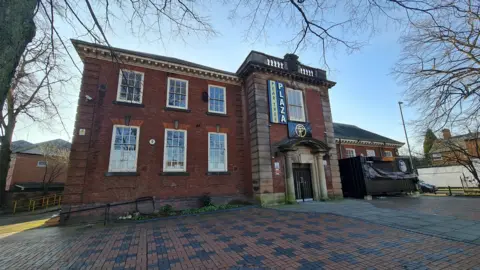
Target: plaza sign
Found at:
x=278, y=104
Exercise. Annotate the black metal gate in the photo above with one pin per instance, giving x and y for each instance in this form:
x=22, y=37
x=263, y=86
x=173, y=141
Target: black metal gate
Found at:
x=302, y=178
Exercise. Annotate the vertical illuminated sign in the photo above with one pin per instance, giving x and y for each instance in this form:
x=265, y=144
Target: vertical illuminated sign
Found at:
x=277, y=102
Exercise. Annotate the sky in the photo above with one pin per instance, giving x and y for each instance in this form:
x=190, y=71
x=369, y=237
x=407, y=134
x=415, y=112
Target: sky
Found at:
x=366, y=94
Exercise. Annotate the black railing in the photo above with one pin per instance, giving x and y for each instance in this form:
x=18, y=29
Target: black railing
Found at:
x=65, y=216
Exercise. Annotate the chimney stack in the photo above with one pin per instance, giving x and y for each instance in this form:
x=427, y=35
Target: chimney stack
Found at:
x=446, y=133
x=292, y=62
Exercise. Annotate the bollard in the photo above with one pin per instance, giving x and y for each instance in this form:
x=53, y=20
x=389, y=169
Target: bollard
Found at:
x=14, y=206
x=47, y=203
x=33, y=206
x=449, y=191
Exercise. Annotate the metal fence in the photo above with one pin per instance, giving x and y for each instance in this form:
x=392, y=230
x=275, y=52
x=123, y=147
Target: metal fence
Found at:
x=37, y=203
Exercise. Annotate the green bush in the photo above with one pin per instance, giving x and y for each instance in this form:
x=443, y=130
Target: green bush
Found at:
x=166, y=209
x=206, y=200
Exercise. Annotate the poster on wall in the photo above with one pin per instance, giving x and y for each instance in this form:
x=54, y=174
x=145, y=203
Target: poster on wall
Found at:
x=299, y=130
x=277, y=102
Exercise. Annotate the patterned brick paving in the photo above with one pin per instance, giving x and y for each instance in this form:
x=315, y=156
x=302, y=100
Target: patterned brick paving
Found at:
x=252, y=238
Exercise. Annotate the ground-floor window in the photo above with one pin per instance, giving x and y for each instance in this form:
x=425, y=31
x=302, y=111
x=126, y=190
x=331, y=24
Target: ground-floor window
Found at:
x=388, y=154
x=350, y=152
x=124, y=150
x=175, y=150
x=370, y=153
x=217, y=152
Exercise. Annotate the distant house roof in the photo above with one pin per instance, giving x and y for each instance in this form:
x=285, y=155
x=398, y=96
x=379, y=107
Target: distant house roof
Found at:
x=35, y=149
x=20, y=144
x=351, y=132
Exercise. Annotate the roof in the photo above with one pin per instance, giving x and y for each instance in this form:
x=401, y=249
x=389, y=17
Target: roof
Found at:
x=152, y=56
x=351, y=132
x=17, y=145
x=35, y=149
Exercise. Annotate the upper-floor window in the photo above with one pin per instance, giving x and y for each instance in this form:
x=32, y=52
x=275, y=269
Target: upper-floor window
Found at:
x=296, y=108
x=437, y=156
x=350, y=152
x=388, y=154
x=217, y=99
x=177, y=93
x=175, y=151
x=217, y=152
x=42, y=163
x=130, y=86
x=370, y=153
x=124, y=149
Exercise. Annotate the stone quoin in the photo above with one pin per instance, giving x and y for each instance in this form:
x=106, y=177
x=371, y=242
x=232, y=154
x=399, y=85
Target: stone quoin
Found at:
x=150, y=125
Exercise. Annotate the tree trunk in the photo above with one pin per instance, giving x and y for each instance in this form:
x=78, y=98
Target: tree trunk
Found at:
x=17, y=29
x=4, y=163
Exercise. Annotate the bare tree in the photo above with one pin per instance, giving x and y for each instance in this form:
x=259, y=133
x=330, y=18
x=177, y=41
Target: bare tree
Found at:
x=440, y=63
x=33, y=94
x=56, y=163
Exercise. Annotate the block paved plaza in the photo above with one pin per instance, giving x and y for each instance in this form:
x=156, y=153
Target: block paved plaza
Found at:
x=251, y=238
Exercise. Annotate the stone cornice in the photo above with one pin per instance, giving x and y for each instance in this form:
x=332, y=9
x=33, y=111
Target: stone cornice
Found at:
x=364, y=143
x=91, y=51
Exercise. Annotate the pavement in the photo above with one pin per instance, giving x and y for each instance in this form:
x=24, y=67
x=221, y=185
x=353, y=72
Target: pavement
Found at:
x=454, y=218
x=249, y=238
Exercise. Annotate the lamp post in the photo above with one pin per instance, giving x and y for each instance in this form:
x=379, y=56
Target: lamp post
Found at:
x=406, y=136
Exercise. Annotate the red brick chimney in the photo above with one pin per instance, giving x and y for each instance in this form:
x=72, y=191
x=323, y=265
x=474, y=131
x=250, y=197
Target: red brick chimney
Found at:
x=446, y=133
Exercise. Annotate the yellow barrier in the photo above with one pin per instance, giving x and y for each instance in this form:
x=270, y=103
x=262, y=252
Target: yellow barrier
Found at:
x=37, y=203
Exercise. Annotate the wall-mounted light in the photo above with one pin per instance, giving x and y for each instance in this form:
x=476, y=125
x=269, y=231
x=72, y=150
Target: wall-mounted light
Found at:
x=127, y=119
x=218, y=128
x=175, y=123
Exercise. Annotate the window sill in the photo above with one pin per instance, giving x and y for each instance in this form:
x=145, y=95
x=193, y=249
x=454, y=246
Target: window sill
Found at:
x=177, y=109
x=122, y=174
x=216, y=114
x=129, y=104
x=218, y=173
x=174, y=174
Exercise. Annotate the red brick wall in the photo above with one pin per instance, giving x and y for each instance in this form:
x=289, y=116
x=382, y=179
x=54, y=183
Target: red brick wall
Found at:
x=91, y=186
x=24, y=169
x=360, y=149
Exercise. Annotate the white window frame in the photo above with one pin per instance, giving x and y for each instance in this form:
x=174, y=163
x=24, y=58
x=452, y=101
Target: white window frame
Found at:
x=385, y=153
x=351, y=149
x=42, y=166
x=437, y=156
x=303, y=118
x=168, y=93
x=112, y=148
x=165, y=169
x=226, y=153
x=120, y=85
x=224, y=101
x=369, y=154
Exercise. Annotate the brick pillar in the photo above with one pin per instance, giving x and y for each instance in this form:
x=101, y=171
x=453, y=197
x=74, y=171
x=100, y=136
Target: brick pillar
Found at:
x=74, y=186
x=257, y=107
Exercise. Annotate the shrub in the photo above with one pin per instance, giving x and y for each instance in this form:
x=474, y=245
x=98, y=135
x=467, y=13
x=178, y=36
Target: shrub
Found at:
x=166, y=209
x=206, y=200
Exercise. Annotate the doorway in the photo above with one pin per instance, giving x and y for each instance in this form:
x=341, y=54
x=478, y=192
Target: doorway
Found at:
x=302, y=178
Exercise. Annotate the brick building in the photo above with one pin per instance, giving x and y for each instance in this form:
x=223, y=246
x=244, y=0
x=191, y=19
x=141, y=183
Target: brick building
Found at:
x=455, y=150
x=150, y=125
x=352, y=141
x=32, y=164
